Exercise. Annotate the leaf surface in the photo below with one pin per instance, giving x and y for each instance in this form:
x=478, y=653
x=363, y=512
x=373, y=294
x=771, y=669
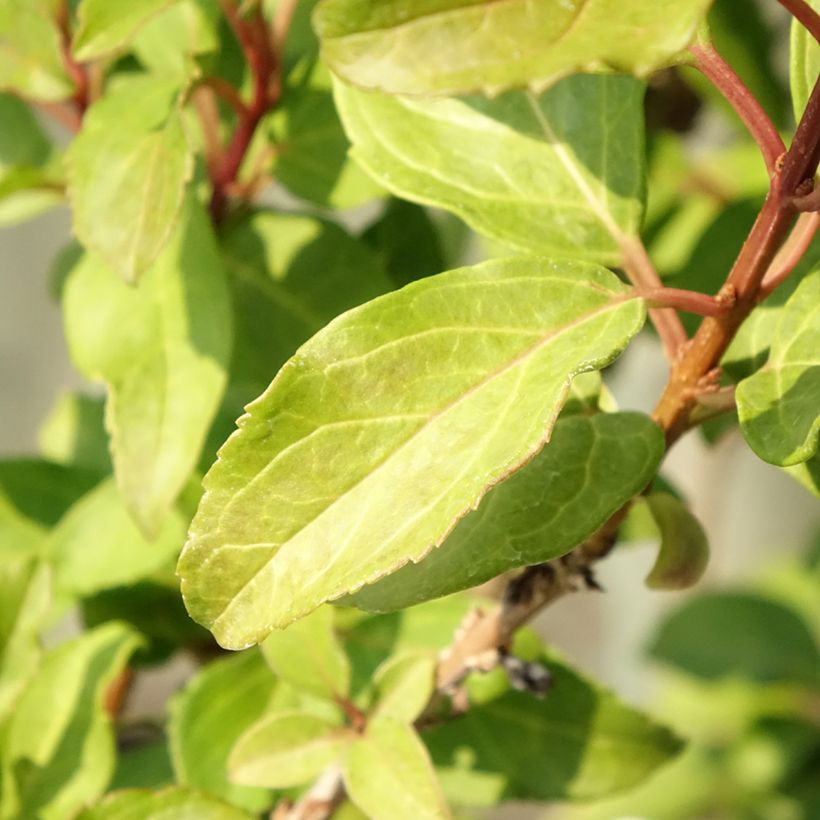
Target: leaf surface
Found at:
x=163, y=349
x=453, y=46
x=558, y=173
x=778, y=406
x=804, y=63
x=403, y=685
x=127, y=172
x=388, y=774
x=386, y=428
x=177, y=803
x=590, y=468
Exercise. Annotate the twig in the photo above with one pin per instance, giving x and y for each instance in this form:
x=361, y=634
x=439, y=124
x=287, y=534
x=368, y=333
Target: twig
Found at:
x=687, y=300
x=318, y=802
x=208, y=113
x=803, y=12
x=709, y=62
x=227, y=92
x=77, y=72
x=807, y=202
x=790, y=254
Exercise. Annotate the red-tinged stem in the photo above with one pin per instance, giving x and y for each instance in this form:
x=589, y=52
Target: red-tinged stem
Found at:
x=745, y=104
x=790, y=254
x=224, y=90
x=77, y=72
x=689, y=301
x=805, y=14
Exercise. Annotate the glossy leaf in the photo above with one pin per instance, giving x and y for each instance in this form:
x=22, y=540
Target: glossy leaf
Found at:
x=578, y=743
x=559, y=173
x=96, y=545
x=107, y=25
x=388, y=774
x=207, y=717
x=590, y=468
x=805, y=63
x=453, y=46
x=163, y=350
x=386, y=428
x=58, y=747
x=684, y=550
x=309, y=656
x=31, y=63
x=403, y=685
x=286, y=749
x=778, y=405
x=127, y=172
x=178, y=803
x=738, y=634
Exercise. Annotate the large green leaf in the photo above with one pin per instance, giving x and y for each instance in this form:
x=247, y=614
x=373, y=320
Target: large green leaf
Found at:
x=107, y=25
x=805, y=63
x=177, y=803
x=163, y=350
x=58, y=748
x=453, y=46
x=127, y=172
x=386, y=428
x=580, y=743
x=286, y=749
x=558, y=173
x=591, y=467
x=389, y=776
x=31, y=63
x=223, y=700
x=778, y=405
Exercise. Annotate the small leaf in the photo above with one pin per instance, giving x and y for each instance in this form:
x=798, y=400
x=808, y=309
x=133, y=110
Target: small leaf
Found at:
x=738, y=634
x=105, y=26
x=388, y=774
x=96, y=545
x=684, y=550
x=286, y=749
x=805, y=63
x=590, y=468
x=386, y=428
x=396, y=47
x=558, y=173
x=777, y=406
x=175, y=802
x=309, y=656
x=578, y=743
x=127, y=172
x=403, y=684
x=207, y=717
x=163, y=350
x=58, y=746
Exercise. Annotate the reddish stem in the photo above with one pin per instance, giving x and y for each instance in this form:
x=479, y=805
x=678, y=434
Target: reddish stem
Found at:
x=805, y=14
x=746, y=106
x=687, y=300
x=77, y=72
x=790, y=254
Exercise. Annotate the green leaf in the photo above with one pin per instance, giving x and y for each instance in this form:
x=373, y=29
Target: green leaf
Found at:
x=388, y=774
x=403, y=684
x=453, y=46
x=578, y=743
x=127, y=172
x=58, y=747
x=217, y=706
x=286, y=749
x=684, y=551
x=311, y=158
x=177, y=803
x=279, y=300
x=25, y=587
x=590, y=468
x=807, y=474
x=386, y=428
x=559, y=174
x=309, y=657
x=96, y=545
x=777, y=406
x=741, y=635
x=805, y=63
x=163, y=350
x=22, y=140
x=73, y=433
x=31, y=62
x=147, y=766
x=105, y=26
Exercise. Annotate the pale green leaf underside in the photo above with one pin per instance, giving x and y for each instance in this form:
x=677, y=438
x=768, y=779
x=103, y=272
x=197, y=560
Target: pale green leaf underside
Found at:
x=127, y=172
x=403, y=685
x=106, y=25
x=163, y=350
x=386, y=428
x=779, y=406
x=388, y=775
x=590, y=468
x=805, y=63
x=560, y=173
x=454, y=46
x=177, y=803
